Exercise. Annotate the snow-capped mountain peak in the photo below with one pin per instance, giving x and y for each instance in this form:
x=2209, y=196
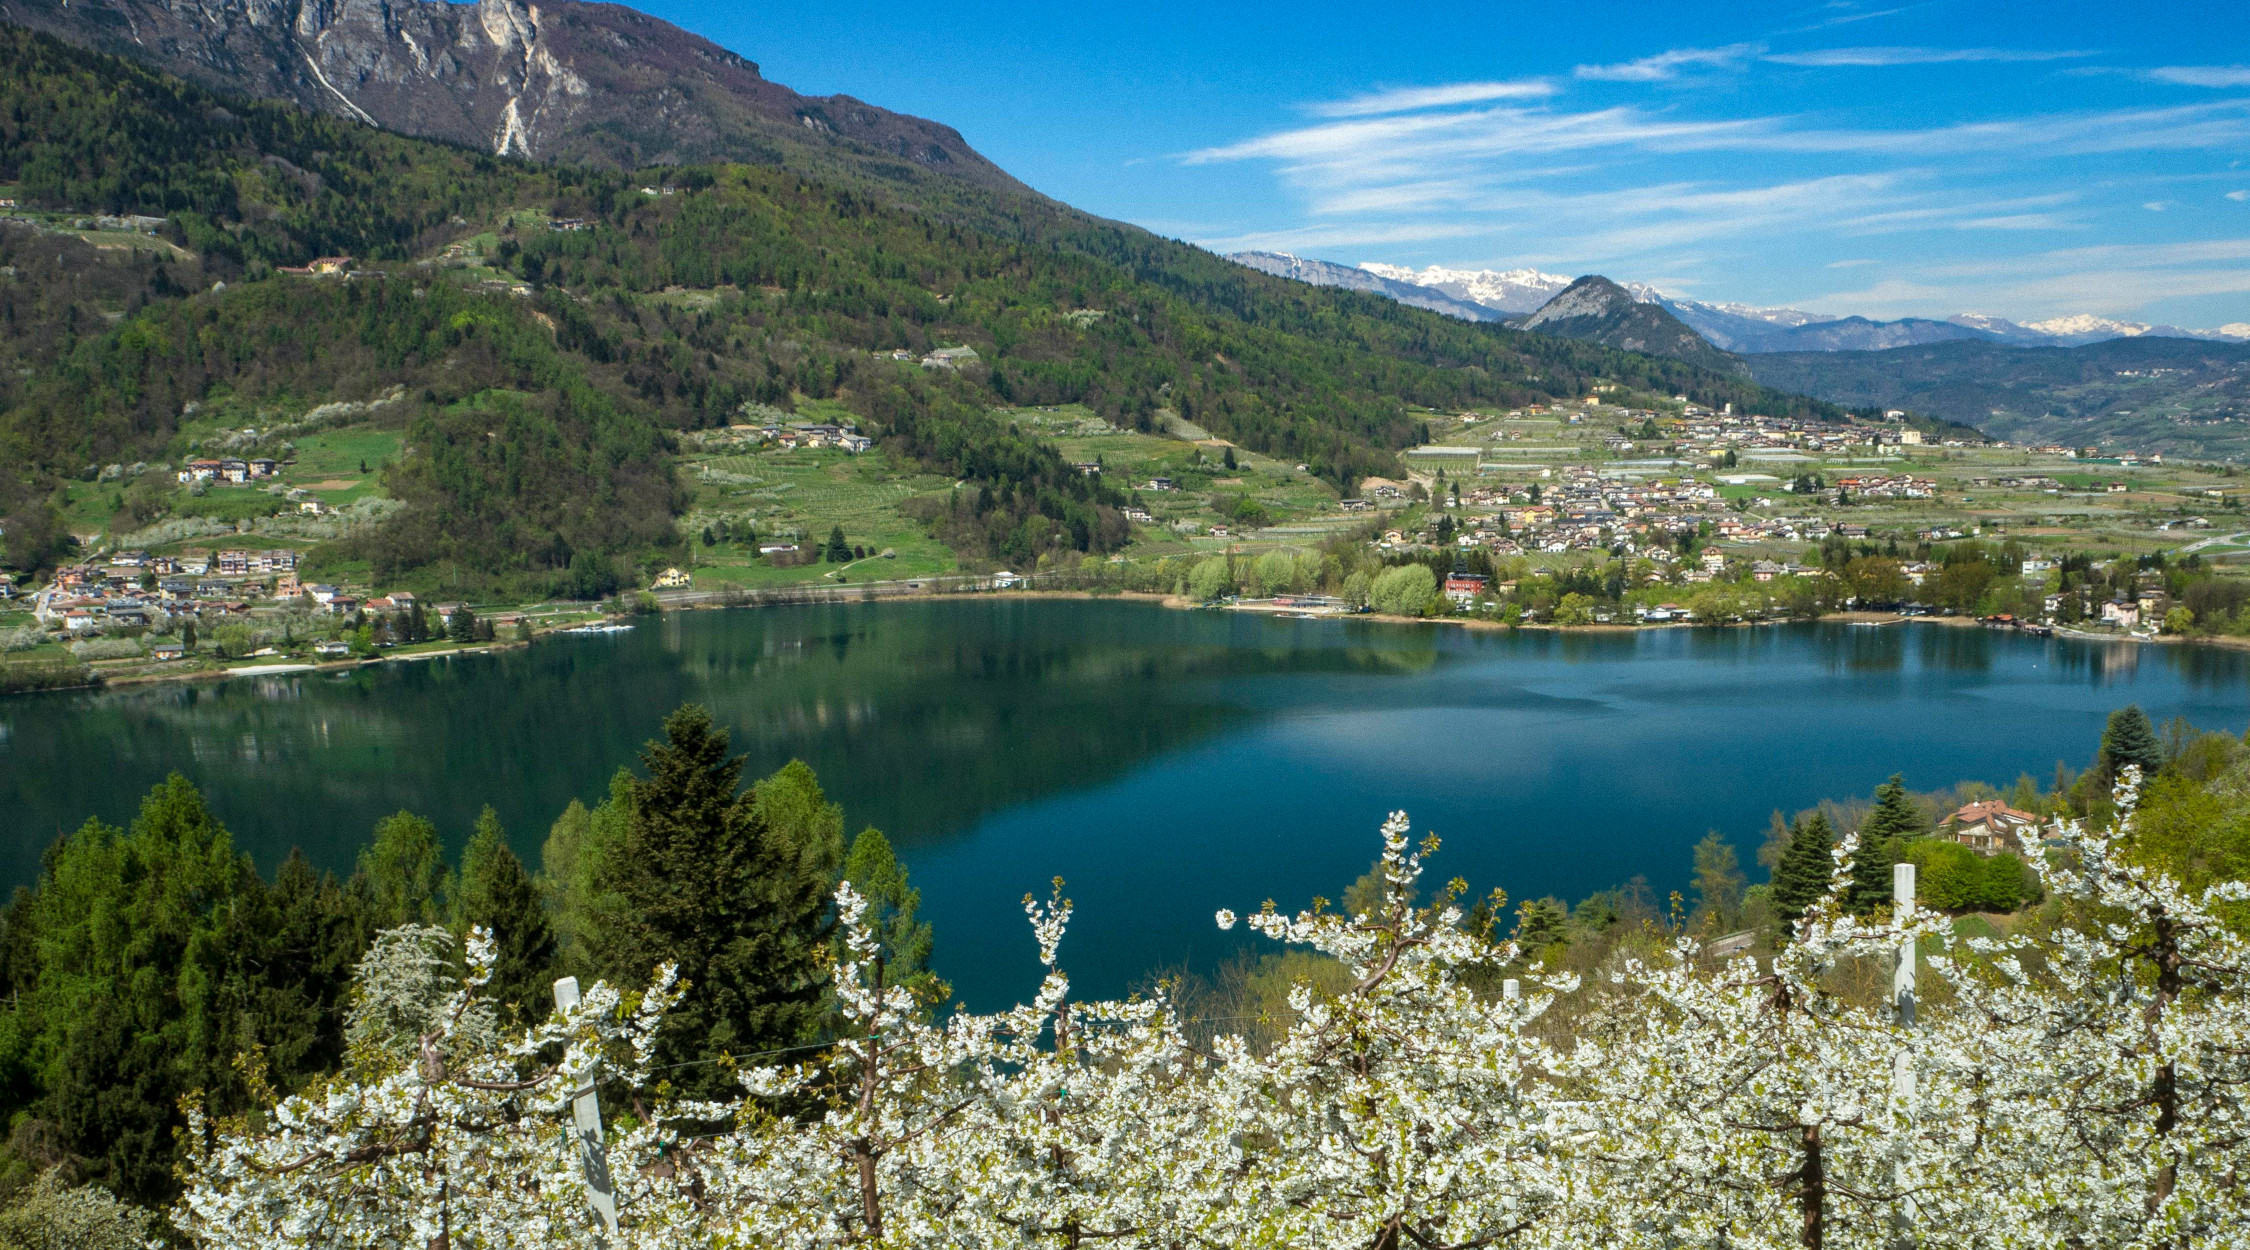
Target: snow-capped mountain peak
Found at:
x=1507, y=290
x=2086, y=323
x=1491, y=294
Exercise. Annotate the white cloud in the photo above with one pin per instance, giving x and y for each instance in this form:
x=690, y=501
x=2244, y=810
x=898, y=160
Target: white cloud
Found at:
x=2113, y=280
x=1437, y=144
x=1914, y=56
x=1702, y=187
x=1847, y=18
x=2204, y=75
x=1667, y=65
x=1409, y=99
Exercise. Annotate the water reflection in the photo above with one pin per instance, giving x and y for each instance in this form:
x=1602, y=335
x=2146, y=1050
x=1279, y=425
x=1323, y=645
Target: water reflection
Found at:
x=1208, y=758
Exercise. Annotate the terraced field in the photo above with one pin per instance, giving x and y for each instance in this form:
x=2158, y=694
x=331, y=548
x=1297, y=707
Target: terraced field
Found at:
x=800, y=496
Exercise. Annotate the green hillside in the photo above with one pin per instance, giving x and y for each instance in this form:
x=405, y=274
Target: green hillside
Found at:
x=547, y=329
x=2182, y=397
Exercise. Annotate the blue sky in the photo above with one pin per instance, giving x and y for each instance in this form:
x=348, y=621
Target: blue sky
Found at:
x=1880, y=157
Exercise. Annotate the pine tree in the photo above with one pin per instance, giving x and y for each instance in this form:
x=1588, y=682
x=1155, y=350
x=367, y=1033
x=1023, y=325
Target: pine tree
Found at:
x=1802, y=875
x=1882, y=844
x=707, y=882
x=318, y=932
x=496, y=892
x=1540, y=923
x=839, y=551
x=462, y=625
x=2130, y=739
x=873, y=869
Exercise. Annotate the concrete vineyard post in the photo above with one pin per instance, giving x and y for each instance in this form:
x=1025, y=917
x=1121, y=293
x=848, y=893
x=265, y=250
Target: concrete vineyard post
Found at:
x=586, y=1111
x=1902, y=1073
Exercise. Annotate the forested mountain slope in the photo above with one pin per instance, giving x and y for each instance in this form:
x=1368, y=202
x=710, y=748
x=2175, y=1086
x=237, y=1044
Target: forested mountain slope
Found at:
x=550, y=323
x=2174, y=395
x=1597, y=310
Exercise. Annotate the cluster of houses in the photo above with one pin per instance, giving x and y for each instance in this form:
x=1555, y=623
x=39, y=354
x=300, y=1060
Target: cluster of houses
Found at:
x=133, y=589
x=805, y=434
x=237, y=472
x=938, y=358
x=1887, y=486
x=1716, y=433
x=1581, y=510
x=321, y=267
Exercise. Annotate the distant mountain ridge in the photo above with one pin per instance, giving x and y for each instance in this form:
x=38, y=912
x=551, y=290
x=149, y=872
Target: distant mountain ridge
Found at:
x=1596, y=310
x=1747, y=328
x=562, y=80
x=2144, y=393
x=1509, y=291
x=1328, y=273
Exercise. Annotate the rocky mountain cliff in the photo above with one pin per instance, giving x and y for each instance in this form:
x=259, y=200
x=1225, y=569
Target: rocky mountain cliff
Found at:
x=1596, y=310
x=563, y=81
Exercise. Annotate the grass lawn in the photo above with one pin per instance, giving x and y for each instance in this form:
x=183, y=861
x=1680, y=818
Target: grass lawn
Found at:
x=328, y=463
x=88, y=506
x=230, y=503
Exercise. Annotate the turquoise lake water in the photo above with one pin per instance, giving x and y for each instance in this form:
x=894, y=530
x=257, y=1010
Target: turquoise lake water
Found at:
x=1165, y=763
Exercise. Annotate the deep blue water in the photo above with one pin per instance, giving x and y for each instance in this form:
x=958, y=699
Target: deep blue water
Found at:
x=1165, y=763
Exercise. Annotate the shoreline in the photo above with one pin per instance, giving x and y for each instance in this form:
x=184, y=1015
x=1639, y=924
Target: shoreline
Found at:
x=292, y=668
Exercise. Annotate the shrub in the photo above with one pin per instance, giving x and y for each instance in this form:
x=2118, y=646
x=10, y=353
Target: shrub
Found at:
x=1405, y=590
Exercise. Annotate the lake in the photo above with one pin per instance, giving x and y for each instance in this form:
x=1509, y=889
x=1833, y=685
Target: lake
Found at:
x=1166, y=763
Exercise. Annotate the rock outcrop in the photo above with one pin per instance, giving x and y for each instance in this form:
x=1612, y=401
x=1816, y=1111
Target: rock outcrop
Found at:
x=567, y=81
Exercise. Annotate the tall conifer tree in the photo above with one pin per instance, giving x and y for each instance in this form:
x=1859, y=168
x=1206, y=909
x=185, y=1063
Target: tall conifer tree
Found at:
x=495, y=891
x=873, y=869
x=1802, y=875
x=1882, y=844
x=705, y=882
x=2130, y=738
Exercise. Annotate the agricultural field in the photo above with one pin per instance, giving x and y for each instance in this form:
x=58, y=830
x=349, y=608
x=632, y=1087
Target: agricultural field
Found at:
x=341, y=466
x=748, y=497
x=1261, y=498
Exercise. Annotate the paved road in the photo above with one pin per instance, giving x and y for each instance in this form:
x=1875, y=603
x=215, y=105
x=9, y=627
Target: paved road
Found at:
x=2214, y=540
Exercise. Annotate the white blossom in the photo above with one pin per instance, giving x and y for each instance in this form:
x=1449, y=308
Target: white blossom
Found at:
x=2077, y=1087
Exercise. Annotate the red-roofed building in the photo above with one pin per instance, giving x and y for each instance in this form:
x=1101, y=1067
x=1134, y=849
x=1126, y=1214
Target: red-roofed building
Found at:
x=1988, y=827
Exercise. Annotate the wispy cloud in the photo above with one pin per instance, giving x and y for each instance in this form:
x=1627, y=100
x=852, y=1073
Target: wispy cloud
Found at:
x=1423, y=143
x=1411, y=99
x=2203, y=75
x=1701, y=184
x=1914, y=56
x=1847, y=14
x=2111, y=279
x=1667, y=65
